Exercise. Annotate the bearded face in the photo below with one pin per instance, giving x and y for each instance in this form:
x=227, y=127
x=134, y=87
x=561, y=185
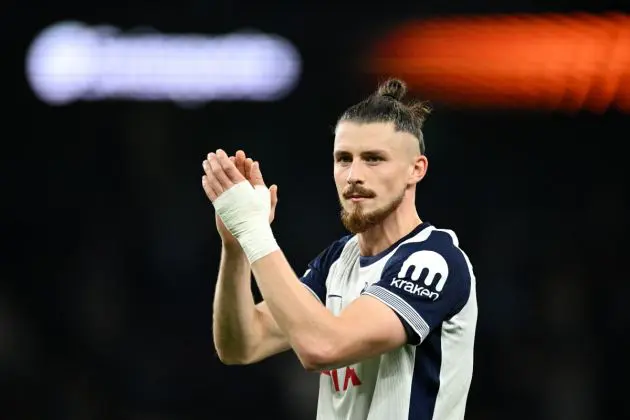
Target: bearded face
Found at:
x=361, y=210
x=375, y=168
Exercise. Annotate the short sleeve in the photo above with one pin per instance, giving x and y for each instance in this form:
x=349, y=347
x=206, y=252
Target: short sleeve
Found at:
x=314, y=278
x=425, y=283
x=315, y=281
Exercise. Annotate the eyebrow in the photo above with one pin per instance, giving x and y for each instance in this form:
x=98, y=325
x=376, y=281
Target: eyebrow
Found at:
x=365, y=153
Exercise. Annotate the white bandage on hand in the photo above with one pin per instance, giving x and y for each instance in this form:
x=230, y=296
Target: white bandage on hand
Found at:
x=244, y=211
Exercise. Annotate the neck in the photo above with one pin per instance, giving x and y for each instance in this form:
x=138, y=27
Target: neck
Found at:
x=393, y=228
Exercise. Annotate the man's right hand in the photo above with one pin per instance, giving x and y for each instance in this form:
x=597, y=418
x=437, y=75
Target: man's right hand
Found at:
x=252, y=173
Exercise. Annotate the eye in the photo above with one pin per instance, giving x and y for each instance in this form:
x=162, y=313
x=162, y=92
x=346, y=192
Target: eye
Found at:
x=343, y=159
x=373, y=159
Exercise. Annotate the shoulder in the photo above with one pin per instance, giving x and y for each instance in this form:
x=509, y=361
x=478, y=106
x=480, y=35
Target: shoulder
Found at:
x=435, y=251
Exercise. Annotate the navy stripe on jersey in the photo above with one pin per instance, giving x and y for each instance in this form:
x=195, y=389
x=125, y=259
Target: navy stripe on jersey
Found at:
x=315, y=276
x=426, y=377
x=424, y=283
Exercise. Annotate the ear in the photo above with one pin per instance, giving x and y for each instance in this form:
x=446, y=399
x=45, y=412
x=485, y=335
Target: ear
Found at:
x=419, y=169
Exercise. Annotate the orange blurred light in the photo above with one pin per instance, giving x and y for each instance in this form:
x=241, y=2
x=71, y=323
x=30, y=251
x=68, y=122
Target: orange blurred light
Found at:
x=556, y=62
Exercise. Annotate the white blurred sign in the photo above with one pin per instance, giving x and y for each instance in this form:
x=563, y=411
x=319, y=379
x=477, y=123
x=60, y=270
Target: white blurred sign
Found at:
x=70, y=61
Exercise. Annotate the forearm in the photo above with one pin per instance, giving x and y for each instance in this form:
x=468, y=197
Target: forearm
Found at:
x=308, y=326
x=235, y=326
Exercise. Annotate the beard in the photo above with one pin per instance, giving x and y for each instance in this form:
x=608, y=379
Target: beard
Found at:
x=358, y=221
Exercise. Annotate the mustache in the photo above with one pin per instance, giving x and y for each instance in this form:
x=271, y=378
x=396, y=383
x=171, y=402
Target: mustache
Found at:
x=358, y=191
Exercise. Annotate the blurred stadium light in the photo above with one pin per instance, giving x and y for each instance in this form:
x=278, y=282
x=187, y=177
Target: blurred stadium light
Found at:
x=70, y=61
x=556, y=62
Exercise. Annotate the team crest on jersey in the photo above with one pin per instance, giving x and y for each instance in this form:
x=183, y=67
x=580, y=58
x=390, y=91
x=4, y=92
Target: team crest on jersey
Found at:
x=423, y=273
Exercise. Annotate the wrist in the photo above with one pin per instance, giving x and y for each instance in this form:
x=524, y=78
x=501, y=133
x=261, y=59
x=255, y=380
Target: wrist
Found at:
x=245, y=212
x=232, y=248
x=258, y=242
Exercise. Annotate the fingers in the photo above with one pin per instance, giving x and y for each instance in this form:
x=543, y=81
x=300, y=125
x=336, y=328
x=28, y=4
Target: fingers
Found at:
x=228, y=168
x=255, y=176
x=248, y=168
x=273, y=190
x=217, y=171
x=206, y=188
x=239, y=161
x=210, y=185
x=223, y=171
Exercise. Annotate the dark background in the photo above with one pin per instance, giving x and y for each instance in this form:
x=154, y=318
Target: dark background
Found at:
x=110, y=251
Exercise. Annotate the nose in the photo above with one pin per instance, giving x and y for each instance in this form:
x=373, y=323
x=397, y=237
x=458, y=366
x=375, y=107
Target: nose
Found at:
x=355, y=174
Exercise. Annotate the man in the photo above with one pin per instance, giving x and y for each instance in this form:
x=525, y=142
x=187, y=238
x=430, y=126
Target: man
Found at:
x=388, y=314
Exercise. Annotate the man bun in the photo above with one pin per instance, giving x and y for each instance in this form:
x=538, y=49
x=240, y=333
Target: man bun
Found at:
x=392, y=88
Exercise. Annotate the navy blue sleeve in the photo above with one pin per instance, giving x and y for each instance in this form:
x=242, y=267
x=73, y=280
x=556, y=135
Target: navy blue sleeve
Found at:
x=315, y=276
x=425, y=283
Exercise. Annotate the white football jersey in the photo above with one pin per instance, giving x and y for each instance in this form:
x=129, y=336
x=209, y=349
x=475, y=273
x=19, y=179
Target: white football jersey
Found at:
x=428, y=281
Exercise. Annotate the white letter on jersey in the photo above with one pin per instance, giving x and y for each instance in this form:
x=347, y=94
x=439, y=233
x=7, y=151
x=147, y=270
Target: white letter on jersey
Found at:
x=426, y=260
